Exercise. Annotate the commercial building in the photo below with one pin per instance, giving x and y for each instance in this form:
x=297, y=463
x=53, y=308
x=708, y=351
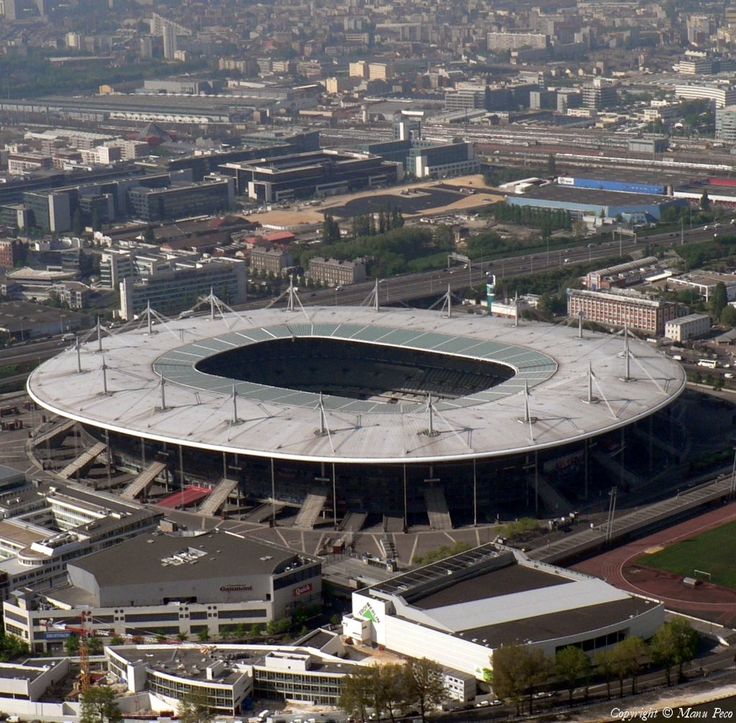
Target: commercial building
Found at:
x=169, y=584
x=726, y=123
x=692, y=326
x=596, y=204
x=116, y=265
x=9, y=253
x=721, y=95
x=459, y=610
x=598, y=94
x=24, y=682
x=223, y=676
x=704, y=283
x=334, y=272
x=271, y=260
x=300, y=175
x=175, y=290
x=620, y=275
x=211, y=195
x=513, y=41
x=451, y=159
x=43, y=528
x=621, y=309
x=50, y=212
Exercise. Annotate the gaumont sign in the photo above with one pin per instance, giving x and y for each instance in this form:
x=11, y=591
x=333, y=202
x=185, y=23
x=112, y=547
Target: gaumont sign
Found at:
x=303, y=589
x=236, y=588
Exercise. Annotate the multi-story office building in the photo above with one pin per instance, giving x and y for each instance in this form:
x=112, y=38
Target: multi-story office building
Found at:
x=172, y=585
x=513, y=41
x=692, y=326
x=695, y=66
x=333, y=272
x=28, y=162
x=451, y=159
x=225, y=675
x=180, y=201
x=358, y=69
x=9, y=253
x=598, y=94
x=115, y=265
x=466, y=97
x=51, y=212
x=619, y=310
x=174, y=291
x=726, y=123
x=271, y=260
x=721, y=95
x=44, y=528
x=299, y=175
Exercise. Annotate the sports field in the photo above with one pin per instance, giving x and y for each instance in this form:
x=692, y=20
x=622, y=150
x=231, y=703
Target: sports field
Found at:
x=712, y=552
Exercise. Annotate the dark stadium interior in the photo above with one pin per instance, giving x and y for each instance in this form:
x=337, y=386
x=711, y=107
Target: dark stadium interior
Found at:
x=355, y=370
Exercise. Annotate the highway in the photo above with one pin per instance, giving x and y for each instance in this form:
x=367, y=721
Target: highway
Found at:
x=410, y=287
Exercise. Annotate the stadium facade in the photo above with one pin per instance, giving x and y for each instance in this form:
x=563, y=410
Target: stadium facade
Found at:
x=400, y=412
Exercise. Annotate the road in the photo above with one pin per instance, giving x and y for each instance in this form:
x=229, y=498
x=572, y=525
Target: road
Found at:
x=410, y=287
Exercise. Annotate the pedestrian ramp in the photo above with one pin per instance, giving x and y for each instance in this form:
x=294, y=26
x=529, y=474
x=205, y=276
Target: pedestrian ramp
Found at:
x=144, y=480
x=437, y=510
x=85, y=460
x=311, y=509
x=225, y=487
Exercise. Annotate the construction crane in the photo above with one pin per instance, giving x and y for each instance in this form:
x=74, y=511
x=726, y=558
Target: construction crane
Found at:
x=83, y=632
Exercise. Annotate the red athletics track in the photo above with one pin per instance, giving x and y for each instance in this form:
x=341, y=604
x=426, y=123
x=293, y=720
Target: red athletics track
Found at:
x=707, y=601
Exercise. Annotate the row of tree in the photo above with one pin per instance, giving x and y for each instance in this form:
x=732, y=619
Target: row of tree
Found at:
x=388, y=253
x=519, y=672
x=547, y=220
x=367, y=224
x=370, y=224
x=393, y=690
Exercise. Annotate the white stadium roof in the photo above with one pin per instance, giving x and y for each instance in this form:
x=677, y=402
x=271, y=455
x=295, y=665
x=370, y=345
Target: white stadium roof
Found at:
x=284, y=423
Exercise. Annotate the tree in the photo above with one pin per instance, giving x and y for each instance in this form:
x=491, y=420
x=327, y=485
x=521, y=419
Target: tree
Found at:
x=95, y=646
x=330, y=230
x=705, y=202
x=536, y=669
x=663, y=650
x=571, y=666
x=728, y=316
x=11, y=647
x=425, y=686
x=606, y=667
x=506, y=675
x=357, y=693
x=675, y=643
x=99, y=706
x=719, y=300
x=193, y=708
x=629, y=656
x=71, y=645
x=390, y=688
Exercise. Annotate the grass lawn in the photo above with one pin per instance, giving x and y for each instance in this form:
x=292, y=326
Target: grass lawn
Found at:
x=713, y=552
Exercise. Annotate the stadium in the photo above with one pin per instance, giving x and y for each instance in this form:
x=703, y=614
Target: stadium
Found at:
x=341, y=413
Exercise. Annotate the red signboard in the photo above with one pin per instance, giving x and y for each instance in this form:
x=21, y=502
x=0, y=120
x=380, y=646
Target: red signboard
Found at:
x=302, y=589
